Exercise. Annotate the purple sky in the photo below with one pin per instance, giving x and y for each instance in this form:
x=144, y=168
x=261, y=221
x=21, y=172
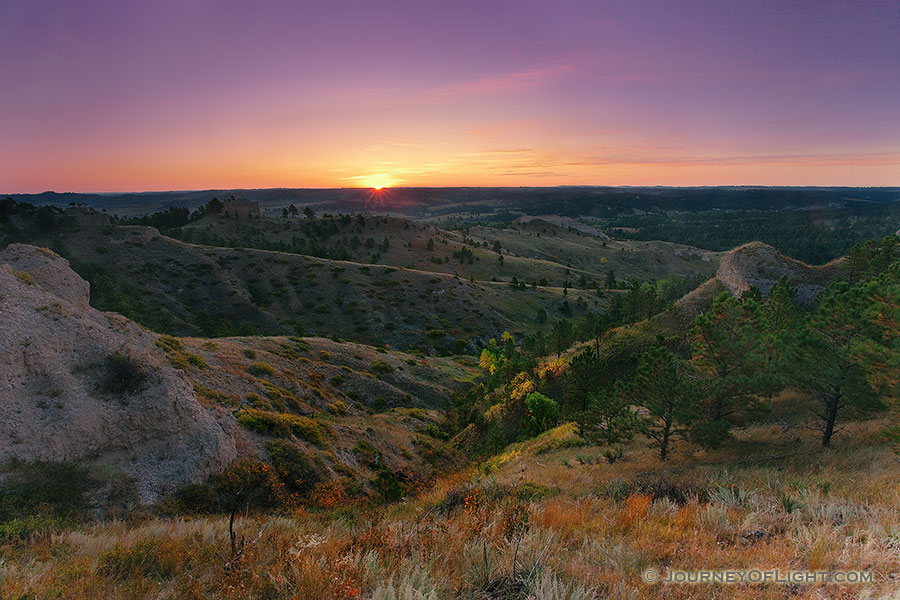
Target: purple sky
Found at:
x=125, y=95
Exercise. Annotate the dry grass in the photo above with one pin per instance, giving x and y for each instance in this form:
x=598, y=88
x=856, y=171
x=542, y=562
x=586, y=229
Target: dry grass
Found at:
x=589, y=534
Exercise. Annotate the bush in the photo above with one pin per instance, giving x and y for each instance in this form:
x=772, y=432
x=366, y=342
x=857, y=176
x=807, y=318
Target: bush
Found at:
x=283, y=424
x=250, y=483
x=196, y=498
x=44, y=489
x=542, y=414
x=388, y=486
x=294, y=468
x=123, y=375
x=367, y=453
x=261, y=368
x=25, y=277
x=21, y=529
x=338, y=407
x=382, y=368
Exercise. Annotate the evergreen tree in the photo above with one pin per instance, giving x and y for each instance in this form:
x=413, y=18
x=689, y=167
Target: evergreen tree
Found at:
x=829, y=358
x=662, y=387
x=729, y=354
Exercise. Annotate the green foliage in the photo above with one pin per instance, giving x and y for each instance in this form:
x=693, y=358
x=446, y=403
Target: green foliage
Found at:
x=608, y=419
x=122, y=376
x=283, y=424
x=260, y=369
x=196, y=498
x=668, y=395
x=381, y=367
x=124, y=298
x=813, y=236
x=731, y=356
x=562, y=335
x=389, y=487
x=830, y=357
x=25, y=277
x=294, y=467
x=542, y=414
x=54, y=490
x=251, y=483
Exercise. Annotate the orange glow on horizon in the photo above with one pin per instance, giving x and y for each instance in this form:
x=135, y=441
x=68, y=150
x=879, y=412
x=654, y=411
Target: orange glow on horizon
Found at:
x=378, y=181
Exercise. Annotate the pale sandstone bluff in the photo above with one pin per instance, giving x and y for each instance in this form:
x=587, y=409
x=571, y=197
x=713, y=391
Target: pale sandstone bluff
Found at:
x=53, y=358
x=760, y=266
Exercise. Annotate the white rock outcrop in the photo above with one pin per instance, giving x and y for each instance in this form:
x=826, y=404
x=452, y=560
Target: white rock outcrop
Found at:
x=54, y=351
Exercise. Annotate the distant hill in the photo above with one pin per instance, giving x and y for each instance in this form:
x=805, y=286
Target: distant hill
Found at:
x=490, y=203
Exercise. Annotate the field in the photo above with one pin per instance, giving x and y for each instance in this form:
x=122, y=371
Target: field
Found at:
x=541, y=520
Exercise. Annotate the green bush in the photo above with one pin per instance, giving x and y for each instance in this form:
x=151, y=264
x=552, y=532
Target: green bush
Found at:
x=296, y=470
x=123, y=375
x=147, y=557
x=21, y=529
x=542, y=414
x=44, y=489
x=382, y=368
x=388, y=486
x=196, y=498
x=367, y=453
x=250, y=483
x=261, y=368
x=284, y=424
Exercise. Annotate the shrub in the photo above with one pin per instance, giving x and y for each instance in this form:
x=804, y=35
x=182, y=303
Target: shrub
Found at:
x=337, y=380
x=25, y=277
x=338, y=407
x=294, y=467
x=389, y=488
x=382, y=368
x=542, y=414
x=251, y=483
x=283, y=424
x=280, y=397
x=367, y=453
x=261, y=368
x=169, y=343
x=197, y=361
x=123, y=375
x=21, y=529
x=249, y=353
x=196, y=498
x=44, y=489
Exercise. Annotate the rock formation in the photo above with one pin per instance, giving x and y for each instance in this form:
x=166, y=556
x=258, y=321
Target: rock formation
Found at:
x=80, y=385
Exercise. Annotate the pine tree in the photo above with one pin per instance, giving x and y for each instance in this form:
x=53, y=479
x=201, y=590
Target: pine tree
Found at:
x=661, y=386
x=829, y=358
x=729, y=355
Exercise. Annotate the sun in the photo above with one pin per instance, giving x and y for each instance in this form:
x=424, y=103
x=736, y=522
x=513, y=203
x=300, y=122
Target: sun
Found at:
x=378, y=181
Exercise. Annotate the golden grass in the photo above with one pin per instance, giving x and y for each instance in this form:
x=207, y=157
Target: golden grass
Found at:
x=477, y=535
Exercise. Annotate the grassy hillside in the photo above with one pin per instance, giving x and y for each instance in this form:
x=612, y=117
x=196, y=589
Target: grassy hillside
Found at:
x=352, y=412
x=558, y=257
x=536, y=522
x=178, y=287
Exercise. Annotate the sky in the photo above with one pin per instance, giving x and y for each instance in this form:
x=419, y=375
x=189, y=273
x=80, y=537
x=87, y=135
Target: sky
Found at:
x=128, y=95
